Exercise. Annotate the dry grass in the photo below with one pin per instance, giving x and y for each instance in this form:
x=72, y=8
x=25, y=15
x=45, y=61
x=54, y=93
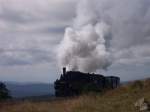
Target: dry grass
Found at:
x=119, y=100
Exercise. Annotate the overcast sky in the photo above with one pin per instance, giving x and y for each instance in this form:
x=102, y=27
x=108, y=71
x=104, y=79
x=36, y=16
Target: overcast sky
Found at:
x=31, y=31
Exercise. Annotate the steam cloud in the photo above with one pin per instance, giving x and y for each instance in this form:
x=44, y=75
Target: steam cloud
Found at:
x=104, y=32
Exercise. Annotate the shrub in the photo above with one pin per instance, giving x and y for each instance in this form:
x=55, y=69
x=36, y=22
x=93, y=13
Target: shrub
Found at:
x=4, y=92
x=136, y=86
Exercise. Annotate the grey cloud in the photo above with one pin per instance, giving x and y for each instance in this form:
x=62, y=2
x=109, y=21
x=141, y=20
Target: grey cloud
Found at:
x=21, y=12
x=15, y=57
x=30, y=30
x=52, y=30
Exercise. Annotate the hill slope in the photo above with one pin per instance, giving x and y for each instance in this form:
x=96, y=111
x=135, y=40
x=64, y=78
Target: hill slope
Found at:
x=121, y=99
x=20, y=90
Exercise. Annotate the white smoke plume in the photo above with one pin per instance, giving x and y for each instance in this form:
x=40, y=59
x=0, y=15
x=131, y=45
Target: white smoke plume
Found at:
x=84, y=44
x=105, y=31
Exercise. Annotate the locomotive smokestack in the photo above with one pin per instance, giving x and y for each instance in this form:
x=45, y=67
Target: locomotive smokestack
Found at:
x=64, y=70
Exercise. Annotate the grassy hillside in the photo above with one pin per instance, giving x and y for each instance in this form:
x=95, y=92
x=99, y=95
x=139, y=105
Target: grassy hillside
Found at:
x=121, y=99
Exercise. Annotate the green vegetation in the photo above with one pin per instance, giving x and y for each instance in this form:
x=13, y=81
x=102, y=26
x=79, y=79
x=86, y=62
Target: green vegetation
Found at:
x=121, y=99
x=4, y=93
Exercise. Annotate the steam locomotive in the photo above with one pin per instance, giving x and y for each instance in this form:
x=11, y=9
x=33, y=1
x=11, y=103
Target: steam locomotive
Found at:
x=72, y=83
